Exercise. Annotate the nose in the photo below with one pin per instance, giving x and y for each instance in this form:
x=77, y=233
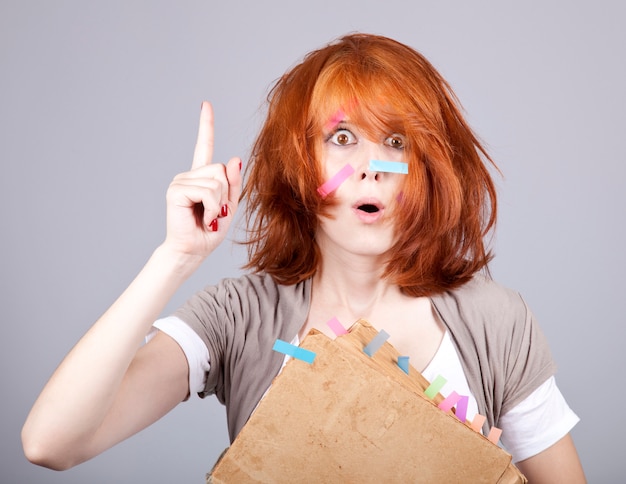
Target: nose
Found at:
x=366, y=173
x=370, y=151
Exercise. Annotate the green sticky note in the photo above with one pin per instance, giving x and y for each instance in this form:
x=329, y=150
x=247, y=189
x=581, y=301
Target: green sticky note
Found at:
x=436, y=385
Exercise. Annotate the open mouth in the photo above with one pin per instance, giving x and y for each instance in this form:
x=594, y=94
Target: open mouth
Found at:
x=368, y=208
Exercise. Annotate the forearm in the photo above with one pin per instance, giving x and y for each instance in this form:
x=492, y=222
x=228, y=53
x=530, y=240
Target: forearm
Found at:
x=81, y=391
x=558, y=463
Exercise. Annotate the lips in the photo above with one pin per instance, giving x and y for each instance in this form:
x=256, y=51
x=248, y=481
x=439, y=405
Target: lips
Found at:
x=369, y=210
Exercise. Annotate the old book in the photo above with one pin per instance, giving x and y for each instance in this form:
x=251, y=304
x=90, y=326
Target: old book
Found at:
x=349, y=417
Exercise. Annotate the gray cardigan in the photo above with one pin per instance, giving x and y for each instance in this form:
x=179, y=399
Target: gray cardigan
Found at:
x=504, y=355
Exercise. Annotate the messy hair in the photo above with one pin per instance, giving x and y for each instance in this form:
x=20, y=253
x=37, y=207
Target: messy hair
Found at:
x=448, y=199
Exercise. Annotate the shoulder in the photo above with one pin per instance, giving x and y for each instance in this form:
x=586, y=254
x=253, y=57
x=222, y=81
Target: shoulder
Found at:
x=482, y=301
x=498, y=339
x=247, y=304
x=253, y=289
x=494, y=323
x=261, y=291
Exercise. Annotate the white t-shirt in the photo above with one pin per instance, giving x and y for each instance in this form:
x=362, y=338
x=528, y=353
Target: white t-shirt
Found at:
x=544, y=409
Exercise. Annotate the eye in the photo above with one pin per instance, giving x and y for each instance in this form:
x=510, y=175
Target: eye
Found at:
x=396, y=141
x=342, y=137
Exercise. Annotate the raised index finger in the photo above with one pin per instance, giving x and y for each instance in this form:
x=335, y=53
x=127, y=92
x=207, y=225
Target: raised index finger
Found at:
x=203, y=152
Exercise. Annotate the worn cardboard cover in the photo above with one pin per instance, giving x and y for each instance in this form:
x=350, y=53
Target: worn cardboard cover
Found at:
x=348, y=417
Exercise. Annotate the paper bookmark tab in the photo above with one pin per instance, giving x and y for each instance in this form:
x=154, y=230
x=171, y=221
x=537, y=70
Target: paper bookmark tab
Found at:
x=494, y=434
x=403, y=363
x=335, y=119
x=461, y=408
x=389, y=166
x=436, y=385
x=449, y=402
x=331, y=185
x=376, y=343
x=477, y=423
x=337, y=327
x=293, y=351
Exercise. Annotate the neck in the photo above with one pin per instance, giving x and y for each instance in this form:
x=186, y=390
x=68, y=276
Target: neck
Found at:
x=352, y=282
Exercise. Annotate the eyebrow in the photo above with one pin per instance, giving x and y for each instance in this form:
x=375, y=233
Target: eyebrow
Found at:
x=335, y=119
x=343, y=124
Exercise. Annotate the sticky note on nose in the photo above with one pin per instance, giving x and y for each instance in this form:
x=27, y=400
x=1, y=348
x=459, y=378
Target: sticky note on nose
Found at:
x=389, y=166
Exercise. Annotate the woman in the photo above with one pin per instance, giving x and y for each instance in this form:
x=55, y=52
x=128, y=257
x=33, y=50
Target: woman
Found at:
x=330, y=235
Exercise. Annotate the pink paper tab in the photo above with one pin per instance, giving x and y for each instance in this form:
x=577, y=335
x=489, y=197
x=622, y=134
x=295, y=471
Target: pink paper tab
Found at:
x=477, y=423
x=335, y=119
x=403, y=363
x=461, y=408
x=337, y=327
x=449, y=402
x=331, y=185
x=494, y=434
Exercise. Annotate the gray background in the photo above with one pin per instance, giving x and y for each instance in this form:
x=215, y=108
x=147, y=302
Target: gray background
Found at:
x=98, y=111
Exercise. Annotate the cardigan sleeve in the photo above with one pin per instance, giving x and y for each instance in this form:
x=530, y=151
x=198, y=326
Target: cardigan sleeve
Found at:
x=504, y=354
x=239, y=320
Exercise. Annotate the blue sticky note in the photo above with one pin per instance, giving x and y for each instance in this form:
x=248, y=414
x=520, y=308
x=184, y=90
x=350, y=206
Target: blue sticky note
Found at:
x=293, y=351
x=389, y=166
x=376, y=343
x=403, y=363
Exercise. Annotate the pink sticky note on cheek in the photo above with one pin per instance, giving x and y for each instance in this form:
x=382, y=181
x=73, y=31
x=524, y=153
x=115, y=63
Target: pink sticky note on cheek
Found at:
x=331, y=185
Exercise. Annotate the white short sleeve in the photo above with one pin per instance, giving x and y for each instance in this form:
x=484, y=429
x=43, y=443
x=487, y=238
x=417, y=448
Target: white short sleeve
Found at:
x=537, y=422
x=195, y=350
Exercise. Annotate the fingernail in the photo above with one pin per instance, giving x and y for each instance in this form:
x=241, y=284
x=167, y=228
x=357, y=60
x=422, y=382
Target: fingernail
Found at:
x=224, y=210
x=213, y=225
x=240, y=165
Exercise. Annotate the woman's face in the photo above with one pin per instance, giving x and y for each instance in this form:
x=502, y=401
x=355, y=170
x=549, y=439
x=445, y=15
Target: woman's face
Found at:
x=360, y=221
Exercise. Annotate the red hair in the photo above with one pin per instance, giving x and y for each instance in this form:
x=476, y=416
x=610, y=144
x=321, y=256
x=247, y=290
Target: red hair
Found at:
x=448, y=198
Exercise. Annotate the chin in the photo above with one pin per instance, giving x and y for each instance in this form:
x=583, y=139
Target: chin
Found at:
x=357, y=241
x=371, y=249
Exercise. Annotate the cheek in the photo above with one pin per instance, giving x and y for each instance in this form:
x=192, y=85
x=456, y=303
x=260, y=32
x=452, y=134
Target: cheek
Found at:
x=396, y=198
x=331, y=162
x=334, y=182
x=394, y=154
x=398, y=185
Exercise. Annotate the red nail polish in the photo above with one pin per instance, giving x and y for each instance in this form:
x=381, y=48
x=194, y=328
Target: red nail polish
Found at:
x=240, y=165
x=213, y=225
x=224, y=210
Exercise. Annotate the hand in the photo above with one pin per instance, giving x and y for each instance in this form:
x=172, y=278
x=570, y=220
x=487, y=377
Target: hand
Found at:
x=201, y=203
